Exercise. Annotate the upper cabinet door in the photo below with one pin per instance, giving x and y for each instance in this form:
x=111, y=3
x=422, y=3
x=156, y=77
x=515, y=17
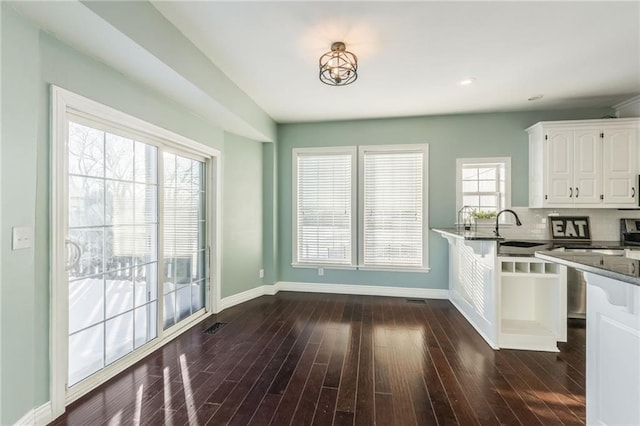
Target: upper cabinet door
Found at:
x=620, y=166
x=587, y=166
x=559, y=150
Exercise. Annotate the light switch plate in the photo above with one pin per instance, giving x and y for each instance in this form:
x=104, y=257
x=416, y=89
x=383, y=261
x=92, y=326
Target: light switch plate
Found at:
x=22, y=237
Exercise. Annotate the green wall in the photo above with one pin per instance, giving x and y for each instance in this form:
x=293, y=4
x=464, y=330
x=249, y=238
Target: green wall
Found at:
x=20, y=134
x=31, y=61
x=241, y=216
x=449, y=137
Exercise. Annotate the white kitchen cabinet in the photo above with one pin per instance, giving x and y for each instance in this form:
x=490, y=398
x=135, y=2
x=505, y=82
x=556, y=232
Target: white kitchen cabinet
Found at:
x=620, y=171
x=613, y=351
x=590, y=163
x=532, y=304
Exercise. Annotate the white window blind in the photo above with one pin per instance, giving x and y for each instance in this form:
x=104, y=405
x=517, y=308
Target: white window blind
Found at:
x=324, y=208
x=393, y=207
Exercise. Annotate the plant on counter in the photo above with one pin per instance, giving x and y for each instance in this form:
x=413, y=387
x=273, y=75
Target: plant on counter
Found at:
x=483, y=215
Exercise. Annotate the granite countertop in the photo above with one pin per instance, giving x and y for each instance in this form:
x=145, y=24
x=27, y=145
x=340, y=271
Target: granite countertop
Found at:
x=616, y=267
x=504, y=250
x=469, y=235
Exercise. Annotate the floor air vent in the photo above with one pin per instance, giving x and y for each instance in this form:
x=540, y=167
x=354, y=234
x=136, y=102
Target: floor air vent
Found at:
x=215, y=327
x=416, y=301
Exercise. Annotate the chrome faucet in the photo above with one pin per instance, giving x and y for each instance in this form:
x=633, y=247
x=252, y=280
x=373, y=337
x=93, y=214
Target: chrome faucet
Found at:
x=518, y=223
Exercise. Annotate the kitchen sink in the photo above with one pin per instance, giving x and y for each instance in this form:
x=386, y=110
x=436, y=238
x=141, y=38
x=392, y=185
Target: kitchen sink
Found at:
x=523, y=244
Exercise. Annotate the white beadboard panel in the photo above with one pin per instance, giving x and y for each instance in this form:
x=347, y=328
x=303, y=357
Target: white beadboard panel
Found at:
x=605, y=223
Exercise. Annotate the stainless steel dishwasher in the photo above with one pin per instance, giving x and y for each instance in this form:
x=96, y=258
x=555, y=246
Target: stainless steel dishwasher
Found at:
x=577, y=287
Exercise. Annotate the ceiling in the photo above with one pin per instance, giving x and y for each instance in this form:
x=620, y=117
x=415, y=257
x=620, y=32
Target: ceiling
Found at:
x=412, y=55
x=232, y=62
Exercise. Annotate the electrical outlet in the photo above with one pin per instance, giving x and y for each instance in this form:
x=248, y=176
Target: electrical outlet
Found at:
x=320, y=272
x=22, y=237
x=261, y=273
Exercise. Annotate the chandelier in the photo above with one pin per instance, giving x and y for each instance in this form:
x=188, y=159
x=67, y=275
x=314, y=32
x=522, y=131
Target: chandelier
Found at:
x=338, y=67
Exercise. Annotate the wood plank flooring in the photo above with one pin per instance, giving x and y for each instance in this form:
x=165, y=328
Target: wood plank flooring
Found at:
x=318, y=359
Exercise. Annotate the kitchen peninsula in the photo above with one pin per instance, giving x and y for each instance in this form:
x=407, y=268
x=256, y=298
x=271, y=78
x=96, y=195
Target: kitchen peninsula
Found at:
x=613, y=335
x=512, y=299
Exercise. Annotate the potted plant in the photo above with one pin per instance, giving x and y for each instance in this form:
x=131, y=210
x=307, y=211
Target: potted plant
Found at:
x=484, y=218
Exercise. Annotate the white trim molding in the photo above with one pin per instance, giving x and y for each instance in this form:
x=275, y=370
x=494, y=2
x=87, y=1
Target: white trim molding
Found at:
x=361, y=290
x=38, y=416
x=629, y=108
x=364, y=290
x=245, y=296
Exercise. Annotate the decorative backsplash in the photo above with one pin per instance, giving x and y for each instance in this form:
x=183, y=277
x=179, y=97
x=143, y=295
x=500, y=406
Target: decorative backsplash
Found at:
x=605, y=223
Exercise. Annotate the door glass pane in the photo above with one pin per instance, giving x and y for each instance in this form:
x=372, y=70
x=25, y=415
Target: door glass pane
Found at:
x=145, y=324
x=119, y=203
x=86, y=353
x=119, y=288
x=113, y=218
x=119, y=337
x=86, y=150
x=184, y=237
x=86, y=302
x=91, y=259
x=196, y=296
x=119, y=158
x=86, y=201
x=183, y=301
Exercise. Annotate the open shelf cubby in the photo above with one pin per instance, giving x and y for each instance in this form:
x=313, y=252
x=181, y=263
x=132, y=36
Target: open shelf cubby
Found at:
x=527, y=266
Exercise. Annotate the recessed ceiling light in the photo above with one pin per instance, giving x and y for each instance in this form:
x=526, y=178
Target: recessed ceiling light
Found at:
x=535, y=98
x=466, y=81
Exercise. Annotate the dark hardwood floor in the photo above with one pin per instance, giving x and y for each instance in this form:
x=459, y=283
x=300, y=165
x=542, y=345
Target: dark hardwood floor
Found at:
x=320, y=359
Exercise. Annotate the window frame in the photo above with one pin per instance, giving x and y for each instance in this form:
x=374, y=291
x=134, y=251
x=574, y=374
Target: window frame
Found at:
x=357, y=199
x=505, y=161
x=296, y=152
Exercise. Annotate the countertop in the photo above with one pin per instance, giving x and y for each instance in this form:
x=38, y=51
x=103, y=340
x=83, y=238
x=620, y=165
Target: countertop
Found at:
x=616, y=267
x=469, y=235
x=487, y=235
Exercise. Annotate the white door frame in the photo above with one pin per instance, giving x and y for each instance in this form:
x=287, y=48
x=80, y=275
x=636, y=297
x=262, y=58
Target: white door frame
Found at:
x=63, y=101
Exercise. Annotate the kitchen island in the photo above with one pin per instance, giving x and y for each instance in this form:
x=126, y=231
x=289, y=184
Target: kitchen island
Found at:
x=613, y=335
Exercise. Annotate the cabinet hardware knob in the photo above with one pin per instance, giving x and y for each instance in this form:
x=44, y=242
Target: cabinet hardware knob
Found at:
x=633, y=192
x=577, y=192
x=570, y=192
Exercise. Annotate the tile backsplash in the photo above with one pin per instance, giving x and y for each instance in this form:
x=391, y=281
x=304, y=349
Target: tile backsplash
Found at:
x=604, y=223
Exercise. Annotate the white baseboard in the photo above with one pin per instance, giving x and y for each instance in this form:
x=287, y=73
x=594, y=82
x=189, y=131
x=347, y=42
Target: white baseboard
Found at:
x=364, y=290
x=38, y=416
x=361, y=290
x=245, y=296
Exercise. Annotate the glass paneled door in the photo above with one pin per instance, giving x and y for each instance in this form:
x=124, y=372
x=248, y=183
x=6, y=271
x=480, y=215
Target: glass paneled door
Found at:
x=112, y=229
x=184, y=237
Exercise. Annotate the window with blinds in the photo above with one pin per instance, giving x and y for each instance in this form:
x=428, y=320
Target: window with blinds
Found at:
x=393, y=200
x=386, y=230
x=324, y=207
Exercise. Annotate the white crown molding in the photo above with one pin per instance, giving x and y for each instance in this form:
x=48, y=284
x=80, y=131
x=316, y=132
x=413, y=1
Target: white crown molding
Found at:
x=631, y=101
x=628, y=108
